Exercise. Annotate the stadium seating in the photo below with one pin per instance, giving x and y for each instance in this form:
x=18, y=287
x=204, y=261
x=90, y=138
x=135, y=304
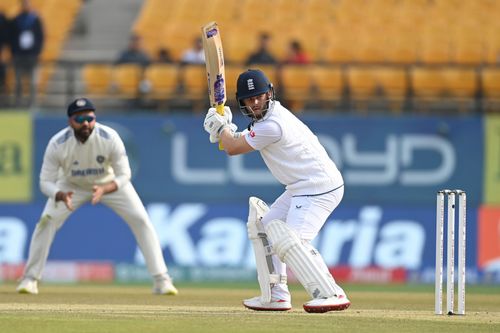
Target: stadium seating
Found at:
x=381, y=86
x=334, y=23
x=232, y=72
x=329, y=85
x=297, y=83
x=194, y=84
x=97, y=79
x=444, y=88
x=126, y=79
x=379, y=51
x=163, y=80
x=491, y=89
x=384, y=32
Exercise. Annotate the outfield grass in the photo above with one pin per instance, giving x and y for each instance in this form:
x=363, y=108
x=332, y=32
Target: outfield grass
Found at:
x=217, y=308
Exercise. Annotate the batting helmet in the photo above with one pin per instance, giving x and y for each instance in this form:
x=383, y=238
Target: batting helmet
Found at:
x=252, y=83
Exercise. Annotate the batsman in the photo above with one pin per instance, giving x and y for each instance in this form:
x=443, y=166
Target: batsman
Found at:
x=281, y=234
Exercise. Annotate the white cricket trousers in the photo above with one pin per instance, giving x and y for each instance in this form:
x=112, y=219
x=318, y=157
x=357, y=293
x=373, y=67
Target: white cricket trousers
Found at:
x=125, y=202
x=306, y=215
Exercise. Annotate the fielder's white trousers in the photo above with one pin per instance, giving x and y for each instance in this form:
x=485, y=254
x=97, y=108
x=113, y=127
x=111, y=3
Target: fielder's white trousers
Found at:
x=125, y=202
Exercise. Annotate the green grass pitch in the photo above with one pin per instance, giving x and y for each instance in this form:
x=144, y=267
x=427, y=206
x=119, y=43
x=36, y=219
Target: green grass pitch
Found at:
x=217, y=308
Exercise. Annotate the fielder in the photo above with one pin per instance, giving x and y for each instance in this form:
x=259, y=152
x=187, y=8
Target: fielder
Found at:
x=87, y=161
x=281, y=234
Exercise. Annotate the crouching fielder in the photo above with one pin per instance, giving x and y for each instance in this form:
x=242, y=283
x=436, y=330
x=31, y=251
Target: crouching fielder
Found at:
x=86, y=161
x=281, y=234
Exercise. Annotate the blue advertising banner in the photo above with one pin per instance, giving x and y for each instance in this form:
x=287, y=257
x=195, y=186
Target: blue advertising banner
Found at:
x=383, y=160
x=214, y=235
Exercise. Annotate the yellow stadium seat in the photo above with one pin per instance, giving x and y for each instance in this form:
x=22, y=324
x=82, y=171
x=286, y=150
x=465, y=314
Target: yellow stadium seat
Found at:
x=382, y=85
x=401, y=45
x=454, y=88
x=329, y=84
x=371, y=48
x=126, y=79
x=490, y=78
x=97, y=79
x=163, y=80
x=178, y=36
x=271, y=71
x=237, y=48
x=435, y=49
x=232, y=72
x=340, y=48
x=491, y=39
x=195, y=88
x=297, y=83
x=10, y=80
x=469, y=47
x=45, y=72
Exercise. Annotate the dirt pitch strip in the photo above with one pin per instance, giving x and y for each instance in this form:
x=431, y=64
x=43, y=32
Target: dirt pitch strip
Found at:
x=217, y=308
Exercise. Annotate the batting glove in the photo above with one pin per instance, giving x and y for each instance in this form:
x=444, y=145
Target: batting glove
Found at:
x=214, y=123
x=232, y=127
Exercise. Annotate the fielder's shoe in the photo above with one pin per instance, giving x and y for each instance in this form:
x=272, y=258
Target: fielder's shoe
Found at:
x=28, y=286
x=334, y=303
x=163, y=285
x=275, y=304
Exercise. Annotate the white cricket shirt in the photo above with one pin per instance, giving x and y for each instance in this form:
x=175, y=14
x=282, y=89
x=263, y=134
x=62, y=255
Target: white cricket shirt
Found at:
x=101, y=159
x=293, y=153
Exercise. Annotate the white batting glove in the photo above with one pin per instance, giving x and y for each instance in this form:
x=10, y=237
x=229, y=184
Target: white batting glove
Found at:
x=228, y=115
x=213, y=123
x=232, y=127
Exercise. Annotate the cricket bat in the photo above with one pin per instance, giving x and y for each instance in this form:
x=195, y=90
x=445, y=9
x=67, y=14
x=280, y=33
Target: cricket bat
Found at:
x=214, y=61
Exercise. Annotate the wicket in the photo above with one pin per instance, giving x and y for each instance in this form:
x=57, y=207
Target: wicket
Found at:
x=450, y=195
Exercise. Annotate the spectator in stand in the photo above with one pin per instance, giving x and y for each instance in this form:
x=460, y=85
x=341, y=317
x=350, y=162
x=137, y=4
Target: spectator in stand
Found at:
x=134, y=53
x=297, y=54
x=26, y=39
x=194, y=55
x=262, y=55
x=3, y=44
x=164, y=56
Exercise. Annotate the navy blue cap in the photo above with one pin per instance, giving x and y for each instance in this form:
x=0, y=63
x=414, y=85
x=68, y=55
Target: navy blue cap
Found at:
x=80, y=104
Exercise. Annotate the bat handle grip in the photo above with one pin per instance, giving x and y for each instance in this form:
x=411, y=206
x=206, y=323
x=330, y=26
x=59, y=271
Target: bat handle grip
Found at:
x=220, y=110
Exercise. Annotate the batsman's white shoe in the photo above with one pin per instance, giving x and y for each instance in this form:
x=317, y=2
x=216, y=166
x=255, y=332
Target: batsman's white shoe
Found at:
x=334, y=303
x=163, y=285
x=255, y=303
x=28, y=286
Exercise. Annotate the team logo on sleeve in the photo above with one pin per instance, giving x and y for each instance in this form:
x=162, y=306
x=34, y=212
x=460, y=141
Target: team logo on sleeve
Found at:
x=100, y=159
x=252, y=134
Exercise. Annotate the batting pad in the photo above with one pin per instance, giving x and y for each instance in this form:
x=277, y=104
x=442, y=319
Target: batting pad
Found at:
x=262, y=250
x=288, y=246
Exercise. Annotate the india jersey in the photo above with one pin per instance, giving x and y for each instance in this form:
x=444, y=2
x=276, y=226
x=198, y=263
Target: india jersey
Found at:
x=101, y=159
x=293, y=153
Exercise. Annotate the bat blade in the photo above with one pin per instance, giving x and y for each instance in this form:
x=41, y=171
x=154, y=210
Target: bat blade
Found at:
x=214, y=57
x=214, y=61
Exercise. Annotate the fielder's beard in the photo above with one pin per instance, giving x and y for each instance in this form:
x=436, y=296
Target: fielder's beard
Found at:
x=83, y=133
